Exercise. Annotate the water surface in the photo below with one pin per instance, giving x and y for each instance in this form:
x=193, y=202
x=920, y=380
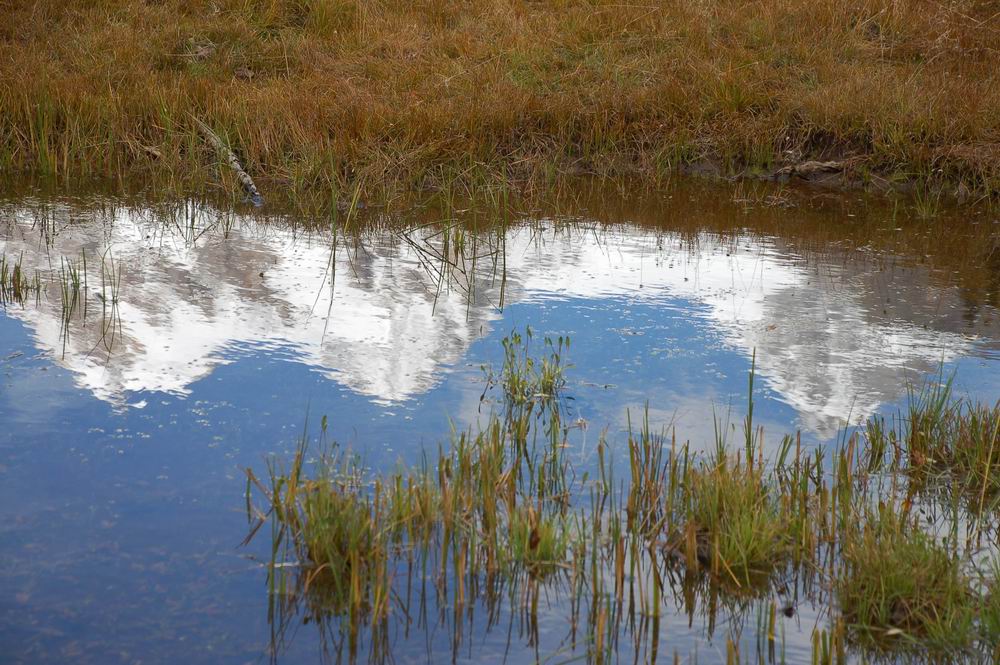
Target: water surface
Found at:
x=204, y=339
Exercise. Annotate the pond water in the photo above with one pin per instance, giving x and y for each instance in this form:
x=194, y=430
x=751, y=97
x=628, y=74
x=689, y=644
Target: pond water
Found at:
x=204, y=339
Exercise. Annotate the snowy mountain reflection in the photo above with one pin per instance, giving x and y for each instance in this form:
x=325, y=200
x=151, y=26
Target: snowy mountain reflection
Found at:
x=386, y=316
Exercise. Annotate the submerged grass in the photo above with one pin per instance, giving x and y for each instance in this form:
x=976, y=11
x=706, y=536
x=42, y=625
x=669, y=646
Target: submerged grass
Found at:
x=321, y=94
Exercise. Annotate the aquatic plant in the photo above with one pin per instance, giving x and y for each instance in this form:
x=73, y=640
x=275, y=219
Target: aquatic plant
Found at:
x=896, y=581
x=733, y=522
x=942, y=439
x=537, y=541
x=527, y=376
x=15, y=286
x=989, y=616
x=503, y=514
x=331, y=532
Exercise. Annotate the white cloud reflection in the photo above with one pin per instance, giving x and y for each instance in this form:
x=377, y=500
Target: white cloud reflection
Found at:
x=387, y=328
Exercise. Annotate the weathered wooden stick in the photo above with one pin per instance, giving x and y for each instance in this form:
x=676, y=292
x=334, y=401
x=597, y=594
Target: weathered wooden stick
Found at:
x=806, y=169
x=234, y=163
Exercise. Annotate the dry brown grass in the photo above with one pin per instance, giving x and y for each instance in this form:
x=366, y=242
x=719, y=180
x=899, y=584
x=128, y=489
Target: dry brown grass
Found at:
x=420, y=93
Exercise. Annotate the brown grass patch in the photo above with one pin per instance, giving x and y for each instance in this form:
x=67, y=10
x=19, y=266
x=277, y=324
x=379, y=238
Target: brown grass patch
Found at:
x=422, y=93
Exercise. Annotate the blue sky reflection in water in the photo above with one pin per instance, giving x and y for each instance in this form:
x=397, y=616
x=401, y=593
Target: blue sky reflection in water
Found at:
x=123, y=441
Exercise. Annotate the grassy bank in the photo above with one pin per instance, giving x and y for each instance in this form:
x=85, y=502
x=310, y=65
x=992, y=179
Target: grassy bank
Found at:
x=320, y=94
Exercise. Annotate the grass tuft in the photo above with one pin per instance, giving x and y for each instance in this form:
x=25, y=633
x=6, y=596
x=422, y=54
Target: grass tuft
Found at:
x=897, y=582
x=537, y=542
x=733, y=522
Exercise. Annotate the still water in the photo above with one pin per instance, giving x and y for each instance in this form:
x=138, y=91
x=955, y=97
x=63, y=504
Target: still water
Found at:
x=204, y=339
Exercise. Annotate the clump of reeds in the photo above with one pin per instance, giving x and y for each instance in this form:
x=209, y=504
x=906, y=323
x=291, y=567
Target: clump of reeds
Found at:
x=340, y=537
x=527, y=376
x=15, y=285
x=413, y=505
x=943, y=438
x=332, y=529
x=739, y=516
x=896, y=581
x=732, y=521
x=537, y=541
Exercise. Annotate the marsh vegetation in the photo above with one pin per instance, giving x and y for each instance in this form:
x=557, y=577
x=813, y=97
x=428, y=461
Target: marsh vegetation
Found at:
x=504, y=516
x=15, y=286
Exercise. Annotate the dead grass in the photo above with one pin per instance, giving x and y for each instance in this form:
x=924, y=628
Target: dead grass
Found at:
x=320, y=94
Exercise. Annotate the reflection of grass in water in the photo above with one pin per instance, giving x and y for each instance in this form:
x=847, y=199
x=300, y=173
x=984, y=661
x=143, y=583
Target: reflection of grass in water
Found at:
x=72, y=288
x=497, y=518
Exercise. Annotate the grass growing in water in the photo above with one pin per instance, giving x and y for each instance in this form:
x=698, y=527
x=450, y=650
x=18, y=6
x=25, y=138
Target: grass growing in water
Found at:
x=537, y=542
x=943, y=440
x=896, y=581
x=333, y=532
x=15, y=286
x=734, y=522
x=990, y=617
x=503, y=516
x=526, y=376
